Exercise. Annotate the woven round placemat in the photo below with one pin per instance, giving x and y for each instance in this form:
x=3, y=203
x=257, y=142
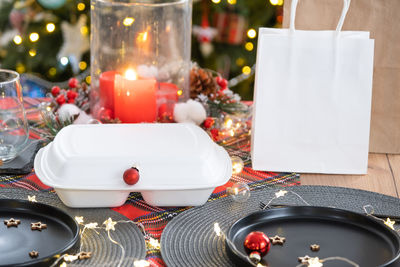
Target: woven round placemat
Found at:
x=104, y=252
x=189, y=239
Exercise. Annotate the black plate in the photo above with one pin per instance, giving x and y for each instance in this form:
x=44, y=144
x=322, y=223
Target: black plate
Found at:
x=61, y=235
x=360, y=238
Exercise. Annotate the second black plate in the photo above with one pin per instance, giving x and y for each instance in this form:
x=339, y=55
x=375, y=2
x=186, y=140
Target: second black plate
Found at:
x=60, y=236
x=362, y=239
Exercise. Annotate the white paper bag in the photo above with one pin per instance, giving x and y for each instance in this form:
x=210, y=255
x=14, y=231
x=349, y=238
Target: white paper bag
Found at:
x=312, y=99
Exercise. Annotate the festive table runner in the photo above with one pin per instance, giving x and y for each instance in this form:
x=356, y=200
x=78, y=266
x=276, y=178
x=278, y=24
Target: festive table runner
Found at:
x=155, y=219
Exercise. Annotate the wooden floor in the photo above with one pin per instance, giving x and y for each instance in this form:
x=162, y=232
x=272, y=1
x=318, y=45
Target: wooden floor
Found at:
x=383, y=176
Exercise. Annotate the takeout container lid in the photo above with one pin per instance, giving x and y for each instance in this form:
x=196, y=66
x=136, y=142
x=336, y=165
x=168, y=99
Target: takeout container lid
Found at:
x=169, y=157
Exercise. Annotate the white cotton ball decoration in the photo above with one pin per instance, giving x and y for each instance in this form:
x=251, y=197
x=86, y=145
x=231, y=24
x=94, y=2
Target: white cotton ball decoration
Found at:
x=180, y=112
x=67, y=111
x=190, y=112
x=145, y=71
x=83, y=118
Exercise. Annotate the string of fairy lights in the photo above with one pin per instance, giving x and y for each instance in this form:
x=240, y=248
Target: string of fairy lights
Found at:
x=50, y=27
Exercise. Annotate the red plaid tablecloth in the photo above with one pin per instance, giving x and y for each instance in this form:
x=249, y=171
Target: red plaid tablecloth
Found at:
x=155, y=219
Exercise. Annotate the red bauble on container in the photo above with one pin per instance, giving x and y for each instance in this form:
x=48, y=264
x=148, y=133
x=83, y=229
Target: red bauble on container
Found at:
x=131, y=176
x=257, y=243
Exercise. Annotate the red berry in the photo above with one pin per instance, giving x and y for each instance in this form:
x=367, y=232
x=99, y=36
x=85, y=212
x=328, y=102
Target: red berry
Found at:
x=215, y=133
x=131, y=176
x=55, y=90
x=223, y=83
x=71, y=100
x=208, y=123
x=71, y=94
x=60, y=99
x=73, y=83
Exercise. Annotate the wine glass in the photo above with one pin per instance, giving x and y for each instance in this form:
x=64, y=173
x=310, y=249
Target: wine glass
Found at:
x=13, y=124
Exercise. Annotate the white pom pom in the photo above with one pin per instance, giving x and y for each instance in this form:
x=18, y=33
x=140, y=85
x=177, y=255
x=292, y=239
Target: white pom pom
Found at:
x=196, y=111
x=190, y=112
x=147, y=71
x=180, y=112
x=67, y=111
x=83, y=118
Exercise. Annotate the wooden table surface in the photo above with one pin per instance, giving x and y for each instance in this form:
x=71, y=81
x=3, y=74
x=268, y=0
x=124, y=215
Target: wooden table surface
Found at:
x=383, y=176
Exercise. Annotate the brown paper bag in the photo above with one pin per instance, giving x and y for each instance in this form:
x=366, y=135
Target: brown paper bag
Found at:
x=382, y=19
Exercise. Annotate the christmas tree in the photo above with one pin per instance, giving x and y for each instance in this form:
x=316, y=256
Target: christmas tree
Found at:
x=50, y=38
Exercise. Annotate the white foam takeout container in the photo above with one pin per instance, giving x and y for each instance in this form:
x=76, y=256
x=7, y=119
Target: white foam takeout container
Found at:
x=179, y=164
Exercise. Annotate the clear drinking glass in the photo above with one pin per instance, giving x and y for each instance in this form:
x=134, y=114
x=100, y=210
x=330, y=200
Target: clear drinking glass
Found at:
x=13, y=124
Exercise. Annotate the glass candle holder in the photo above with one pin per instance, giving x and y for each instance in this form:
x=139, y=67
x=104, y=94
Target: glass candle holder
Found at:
x=139, y=49
x=13, y=124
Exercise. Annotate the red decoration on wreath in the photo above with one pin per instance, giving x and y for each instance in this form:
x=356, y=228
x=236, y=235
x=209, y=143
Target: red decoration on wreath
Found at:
x=55, y=90
x=208, y=123
x=73, y=83
x=131, y=176
x=61, y=99
x=257, y=243
x=223, y=83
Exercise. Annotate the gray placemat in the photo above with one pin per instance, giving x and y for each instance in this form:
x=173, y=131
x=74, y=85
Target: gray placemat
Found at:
x=23, y=163
x=189, y=239
x=104, y=252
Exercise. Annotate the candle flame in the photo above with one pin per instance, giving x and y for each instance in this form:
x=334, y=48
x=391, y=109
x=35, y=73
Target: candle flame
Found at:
x=130, y=74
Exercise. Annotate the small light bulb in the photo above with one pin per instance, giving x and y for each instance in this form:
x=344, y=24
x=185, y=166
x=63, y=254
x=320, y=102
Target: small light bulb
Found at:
x=82, y=65
x=246, y=70
x=228, y=123
x=232, y=2
x=84, y=30
x=50, y=27
x=32, y=52
x=88, y=79
x=128, y=21
x=179, y=93
x=251, y=33
x=81, y=6
x=17, y=39
x=34, y=37
x=274, y=2
x=52, y=71
x=237, y=165
x=216, y=1
x=249, y=46
x=64, y=61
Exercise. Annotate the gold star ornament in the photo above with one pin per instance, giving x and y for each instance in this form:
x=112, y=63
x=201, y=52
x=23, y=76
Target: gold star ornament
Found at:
x=280, y=193
x=390, y=223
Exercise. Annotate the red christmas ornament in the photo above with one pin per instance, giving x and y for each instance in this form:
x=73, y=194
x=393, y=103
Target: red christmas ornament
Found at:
x=223, y=83
x=71, y=94
x=257, y=243
x=61, y=99
x=208, y=123
x=55, y=90
x=73, y=83
x=131, y=176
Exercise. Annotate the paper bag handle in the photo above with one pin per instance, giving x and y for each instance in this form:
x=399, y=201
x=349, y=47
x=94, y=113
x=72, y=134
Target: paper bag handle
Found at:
x=346, y=5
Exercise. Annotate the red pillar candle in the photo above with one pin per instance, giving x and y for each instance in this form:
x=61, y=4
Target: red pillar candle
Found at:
x=134, y=99
x=107, y=80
